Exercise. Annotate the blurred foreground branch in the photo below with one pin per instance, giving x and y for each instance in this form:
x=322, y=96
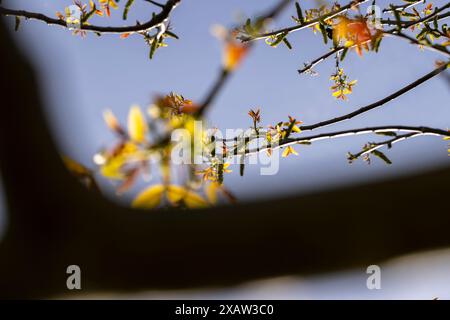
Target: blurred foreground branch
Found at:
x=54, y=222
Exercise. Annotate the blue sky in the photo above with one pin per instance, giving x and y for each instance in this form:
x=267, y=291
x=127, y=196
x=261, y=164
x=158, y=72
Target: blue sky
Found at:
x=80, y=78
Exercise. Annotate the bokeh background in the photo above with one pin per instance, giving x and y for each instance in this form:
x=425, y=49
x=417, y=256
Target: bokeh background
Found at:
x=80, y=78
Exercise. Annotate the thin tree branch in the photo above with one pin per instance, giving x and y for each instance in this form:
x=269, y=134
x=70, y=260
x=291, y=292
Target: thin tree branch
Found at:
x=152, y=23
x=309, y=66
x=378, y=103
x=394, y=32
x=397, y=31
x=402, y=7
x=407, y=24
x=412, y=131
x=388, y=143
x=369, y=107
x=155, y=3
x=301, y=26
x=428, y=17
x=433, y=47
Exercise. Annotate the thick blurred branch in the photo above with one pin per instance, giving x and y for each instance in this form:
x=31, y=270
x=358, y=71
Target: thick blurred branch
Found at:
x=224, y=74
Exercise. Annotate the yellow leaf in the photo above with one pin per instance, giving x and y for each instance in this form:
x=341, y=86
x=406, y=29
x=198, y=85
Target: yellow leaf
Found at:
x=149, y=198
x=194, y=200
x=137, y=127
x=112, y=168
x=211, y=192
x=346, y=91
x=234, y=54
x=337, y=93
x=225, y=168
x=348, y=43
x=111, y=120
x=113, y=4
x=75, y=167
x=296, y=129
x=176, y=194
x=289, y=150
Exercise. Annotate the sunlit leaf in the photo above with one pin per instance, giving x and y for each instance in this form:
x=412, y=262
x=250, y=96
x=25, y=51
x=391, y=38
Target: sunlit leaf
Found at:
x=112, y=168
x=289, y=150
x=112, y=122
x=190, y=198
x=75, y=167
x=337, y=93
x=234, y=54
x=149, y=198
x=194, y=200
x=211, y=192
x=137, y=126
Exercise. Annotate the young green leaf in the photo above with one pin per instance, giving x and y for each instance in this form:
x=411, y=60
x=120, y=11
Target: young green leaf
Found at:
x=299, y=12
x=387, y=133
x=382, y=156
x=323, y=30
x=126, y=9
x=278, y=39
x=287, y=43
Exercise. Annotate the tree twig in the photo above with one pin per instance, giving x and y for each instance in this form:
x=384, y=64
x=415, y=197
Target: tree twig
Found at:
x=433, y=47
x=429, y=17
x=375, y=146
x=403, y=7
x=407, y=24
x=152, y=23
x=307, y=24
x=393, y=32
x=378, y=103
x=412, y=132
x=155, y=3
x=309, y=66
